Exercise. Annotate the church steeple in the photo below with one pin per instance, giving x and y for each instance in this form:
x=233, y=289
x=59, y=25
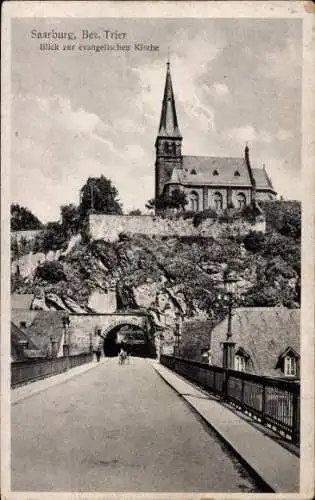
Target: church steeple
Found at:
x=168, y=121
x=168, y=143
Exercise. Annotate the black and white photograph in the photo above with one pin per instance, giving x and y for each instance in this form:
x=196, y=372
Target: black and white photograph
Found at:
x=157, y=250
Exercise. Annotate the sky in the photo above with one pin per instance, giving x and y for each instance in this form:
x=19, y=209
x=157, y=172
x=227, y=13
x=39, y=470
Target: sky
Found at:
x=78, y=114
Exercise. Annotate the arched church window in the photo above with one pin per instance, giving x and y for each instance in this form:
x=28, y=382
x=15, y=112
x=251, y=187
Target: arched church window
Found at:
x=236, y=173
x=166, y=147
x=215, y=172
x=174, y=148
x=194, y=201
x=241, y=200
x=218, y=201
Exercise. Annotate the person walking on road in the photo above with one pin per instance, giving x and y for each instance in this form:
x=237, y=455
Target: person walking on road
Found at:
x=98, y=354
x=121, y=357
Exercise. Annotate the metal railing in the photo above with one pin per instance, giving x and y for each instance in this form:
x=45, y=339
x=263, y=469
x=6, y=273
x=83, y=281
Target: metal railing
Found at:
x=275, y=403
x=23, y=372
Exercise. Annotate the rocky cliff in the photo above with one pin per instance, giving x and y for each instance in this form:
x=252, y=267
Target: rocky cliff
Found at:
x=167, y=275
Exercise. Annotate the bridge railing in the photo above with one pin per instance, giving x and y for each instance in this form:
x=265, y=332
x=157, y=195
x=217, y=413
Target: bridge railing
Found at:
x=24, y=372
x=275, y=403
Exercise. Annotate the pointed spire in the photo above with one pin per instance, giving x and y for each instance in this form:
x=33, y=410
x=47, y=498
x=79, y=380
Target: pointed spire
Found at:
x=168, y=122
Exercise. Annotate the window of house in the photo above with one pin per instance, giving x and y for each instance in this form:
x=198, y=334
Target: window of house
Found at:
x=217, y=201
x=240, y=363
x=241, y=360
x=194, y=201
x=241, y=200
x=290, y=366
x=23, y=324
x=288, y=362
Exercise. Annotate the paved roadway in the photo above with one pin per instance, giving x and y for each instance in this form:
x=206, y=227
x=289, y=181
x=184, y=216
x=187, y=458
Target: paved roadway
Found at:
x=117, y=428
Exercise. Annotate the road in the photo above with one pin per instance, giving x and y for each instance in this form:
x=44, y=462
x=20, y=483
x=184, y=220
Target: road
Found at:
x=117, y=428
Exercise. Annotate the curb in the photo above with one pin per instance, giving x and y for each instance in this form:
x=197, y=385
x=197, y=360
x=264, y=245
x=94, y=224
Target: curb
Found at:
x=261, y=482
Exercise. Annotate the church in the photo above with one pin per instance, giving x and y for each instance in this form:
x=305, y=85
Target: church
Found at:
x=208, y=181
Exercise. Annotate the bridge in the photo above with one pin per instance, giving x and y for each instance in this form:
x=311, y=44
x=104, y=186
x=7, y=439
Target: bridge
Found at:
x=141, y=427
x=105, y=427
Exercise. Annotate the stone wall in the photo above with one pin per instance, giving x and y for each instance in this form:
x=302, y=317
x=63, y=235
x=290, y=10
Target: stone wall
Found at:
x=26, y=235
x=195, y=339
x=108, y=227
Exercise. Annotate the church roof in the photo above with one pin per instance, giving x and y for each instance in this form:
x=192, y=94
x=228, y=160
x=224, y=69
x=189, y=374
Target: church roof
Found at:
x=218, y=171
x=262, y=179
x=168, y=121
x=215, y=170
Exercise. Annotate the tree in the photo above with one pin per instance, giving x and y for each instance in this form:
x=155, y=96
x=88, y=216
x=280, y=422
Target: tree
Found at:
x=100, y=196
x=135, y=212
x=23, y=219
x=176, y=199
x=150, y=204
x=53, y=237
x=51, y=271
x=70, y=217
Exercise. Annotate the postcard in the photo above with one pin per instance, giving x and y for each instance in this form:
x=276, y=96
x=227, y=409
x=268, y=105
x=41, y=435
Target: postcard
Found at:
x=157, y=250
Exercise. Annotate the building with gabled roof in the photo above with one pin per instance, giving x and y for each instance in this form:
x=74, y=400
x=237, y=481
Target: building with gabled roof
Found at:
x=208, y=182
x=267, y=340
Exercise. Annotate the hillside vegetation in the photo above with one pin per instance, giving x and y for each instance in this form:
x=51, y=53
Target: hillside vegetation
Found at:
x=267, y=267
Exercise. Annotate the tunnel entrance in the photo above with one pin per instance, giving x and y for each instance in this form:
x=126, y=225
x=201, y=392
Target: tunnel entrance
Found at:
x=132, y=339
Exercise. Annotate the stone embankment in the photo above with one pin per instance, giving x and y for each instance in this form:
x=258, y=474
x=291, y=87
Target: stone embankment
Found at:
x=109, y=227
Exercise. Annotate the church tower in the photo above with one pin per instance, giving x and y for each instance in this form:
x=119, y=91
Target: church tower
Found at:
x=168, y=143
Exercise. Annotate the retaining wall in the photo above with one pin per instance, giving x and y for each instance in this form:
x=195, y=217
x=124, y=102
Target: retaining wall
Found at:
x=108, y=227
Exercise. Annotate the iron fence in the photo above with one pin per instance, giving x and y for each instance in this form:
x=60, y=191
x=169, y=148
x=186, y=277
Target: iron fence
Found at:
x=23, y=372
x=275, y=403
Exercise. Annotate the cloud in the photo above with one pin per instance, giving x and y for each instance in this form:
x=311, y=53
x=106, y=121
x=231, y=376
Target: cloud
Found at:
x=283, y=65
x=287, y=182
x=245, y=134
x=284, y=135
x=217, y=90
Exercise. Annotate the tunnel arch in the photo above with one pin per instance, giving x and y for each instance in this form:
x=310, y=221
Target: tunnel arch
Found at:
x=111, y=344
x=136, y=321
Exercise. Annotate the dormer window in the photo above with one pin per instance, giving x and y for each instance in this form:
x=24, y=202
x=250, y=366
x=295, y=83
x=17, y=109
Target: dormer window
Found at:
x=241, y=360
x=288, y=362
x=236, y=173
x=290, y=366
x=215, y=172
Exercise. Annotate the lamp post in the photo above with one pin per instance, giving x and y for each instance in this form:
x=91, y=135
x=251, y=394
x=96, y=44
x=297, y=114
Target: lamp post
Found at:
x=178, y=333
x=66, y=344
x=229, y=345
x=91, y=343
x=53, y=342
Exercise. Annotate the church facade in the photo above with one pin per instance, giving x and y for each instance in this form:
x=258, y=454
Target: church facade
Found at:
x=208, y=182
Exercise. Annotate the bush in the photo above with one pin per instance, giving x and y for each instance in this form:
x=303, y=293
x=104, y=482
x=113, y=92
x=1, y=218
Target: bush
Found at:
x=283, y=216
x=254, y=241
x=52, y=272
x=124, y=236
x=199, y=217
